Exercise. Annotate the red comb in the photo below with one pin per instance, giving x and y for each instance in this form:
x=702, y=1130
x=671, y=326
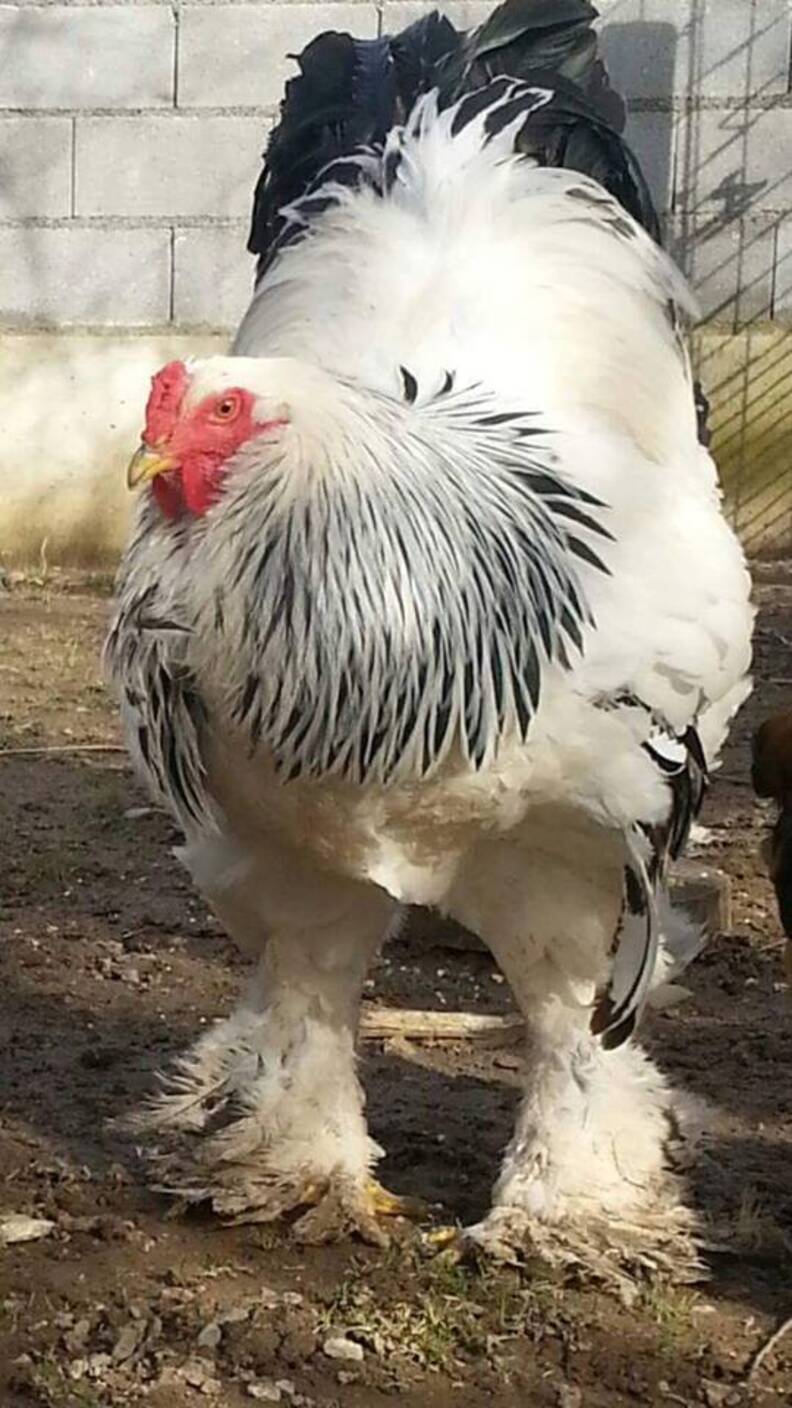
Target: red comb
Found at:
x=164, y=402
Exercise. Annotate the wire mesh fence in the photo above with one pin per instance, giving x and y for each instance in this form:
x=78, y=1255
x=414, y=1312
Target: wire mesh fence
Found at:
x=711, y=119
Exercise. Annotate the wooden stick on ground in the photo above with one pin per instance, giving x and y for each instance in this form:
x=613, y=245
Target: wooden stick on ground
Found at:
x=767, y=1348
x=63, y=748
x=380, y=1023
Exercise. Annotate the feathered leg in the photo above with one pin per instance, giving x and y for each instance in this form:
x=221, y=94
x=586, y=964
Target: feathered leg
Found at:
x=265, y=1114
x=587, y=1176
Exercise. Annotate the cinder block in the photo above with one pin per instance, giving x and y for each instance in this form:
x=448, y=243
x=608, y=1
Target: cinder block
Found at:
x=463, y=14
x=730, y=264
x=236, y=55
x=734, y=160
x=708, y=48
x=213, y=277
x=35, y=166
x=117, y=278
x=171, y=166
x=651, y=137
x=69, y=56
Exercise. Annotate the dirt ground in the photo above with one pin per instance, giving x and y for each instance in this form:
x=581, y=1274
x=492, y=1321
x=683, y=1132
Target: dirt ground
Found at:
x=110, y=963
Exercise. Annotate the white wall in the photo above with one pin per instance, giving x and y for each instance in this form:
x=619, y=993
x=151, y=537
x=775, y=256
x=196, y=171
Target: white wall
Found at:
x=72, y=410
x=130, y=140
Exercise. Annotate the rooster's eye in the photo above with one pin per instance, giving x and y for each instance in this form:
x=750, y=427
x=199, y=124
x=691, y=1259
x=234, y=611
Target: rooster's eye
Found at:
x=226, y=409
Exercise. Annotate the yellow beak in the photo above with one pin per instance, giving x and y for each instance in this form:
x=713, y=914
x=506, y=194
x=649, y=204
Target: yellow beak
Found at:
x=146, y=464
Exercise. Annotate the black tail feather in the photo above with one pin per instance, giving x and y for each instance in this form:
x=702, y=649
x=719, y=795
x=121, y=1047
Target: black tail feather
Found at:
x=420, y=53
x=523, y=36
x=350, y=92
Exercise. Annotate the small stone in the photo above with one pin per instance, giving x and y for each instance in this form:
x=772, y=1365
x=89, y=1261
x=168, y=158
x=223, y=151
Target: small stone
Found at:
x=264, y=1392
x=339, y=1347
x=237, y=1315
x=292, y=1298
x=153, y=1330
x=570, y=1396
x=75, y=1338
x=195, y=1373
x=17, y=1227
x=169, y=1376
x=715, y=1395
x=210, y=1336
x=78, y=1368
x=128, y=1341
x=176, y=1295
x=98, y=1364
x=627, y=1292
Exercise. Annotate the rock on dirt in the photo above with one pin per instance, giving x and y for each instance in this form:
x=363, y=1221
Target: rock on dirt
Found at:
x=17, y=1227
x=339, y=1347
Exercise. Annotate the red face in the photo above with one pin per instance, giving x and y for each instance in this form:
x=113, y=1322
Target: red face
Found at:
x=196, y=446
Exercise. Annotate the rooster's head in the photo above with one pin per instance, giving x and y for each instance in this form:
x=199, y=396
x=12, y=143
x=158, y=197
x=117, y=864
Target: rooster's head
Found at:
x=198, y=417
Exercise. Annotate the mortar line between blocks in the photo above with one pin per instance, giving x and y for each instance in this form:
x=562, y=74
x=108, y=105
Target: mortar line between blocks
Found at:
x=176, y=42
x=73, y=170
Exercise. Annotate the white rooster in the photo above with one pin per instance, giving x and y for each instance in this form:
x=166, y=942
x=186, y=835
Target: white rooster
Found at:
x=430, y=600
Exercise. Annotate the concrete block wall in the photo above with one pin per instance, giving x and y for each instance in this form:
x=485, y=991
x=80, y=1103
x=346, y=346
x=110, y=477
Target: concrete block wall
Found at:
x=130, y=141
x=130, y=135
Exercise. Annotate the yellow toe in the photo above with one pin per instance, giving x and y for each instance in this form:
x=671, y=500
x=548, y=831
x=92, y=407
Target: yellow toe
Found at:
x=383, y=1203
x=312, y=1194
x=447, y=1242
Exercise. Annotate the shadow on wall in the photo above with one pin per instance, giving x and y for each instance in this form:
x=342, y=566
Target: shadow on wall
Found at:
x=711, y=126
x=641, y=61
x=733, y=238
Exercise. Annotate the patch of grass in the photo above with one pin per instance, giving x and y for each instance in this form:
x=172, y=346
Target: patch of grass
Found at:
x=442, y=1311
x=756, y=1230
x=55, y=1390
x=672, y=1312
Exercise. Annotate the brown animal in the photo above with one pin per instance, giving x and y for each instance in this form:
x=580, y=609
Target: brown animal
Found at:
x=771, y=773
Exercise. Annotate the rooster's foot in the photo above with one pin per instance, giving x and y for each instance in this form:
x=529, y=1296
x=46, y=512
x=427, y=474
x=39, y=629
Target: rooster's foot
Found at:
x=618, y=1255
x=343, y=1209
x=320, y=1207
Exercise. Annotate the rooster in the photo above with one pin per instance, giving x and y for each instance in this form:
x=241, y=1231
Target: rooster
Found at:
x=430, y=600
